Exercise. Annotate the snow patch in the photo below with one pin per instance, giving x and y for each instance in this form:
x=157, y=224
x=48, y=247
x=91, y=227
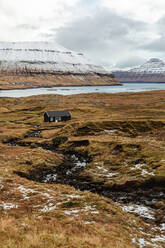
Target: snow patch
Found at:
x=142, y=211
x=144, y=172
x=47, y=208
x=50, y=178
x=72, y=212
x=8, y=206
x=89, y=222
x=26, y=191
x=74, y=196
x=105, y=172
x=110, y=131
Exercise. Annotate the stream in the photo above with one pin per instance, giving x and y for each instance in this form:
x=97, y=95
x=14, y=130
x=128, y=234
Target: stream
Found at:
x=147, y=202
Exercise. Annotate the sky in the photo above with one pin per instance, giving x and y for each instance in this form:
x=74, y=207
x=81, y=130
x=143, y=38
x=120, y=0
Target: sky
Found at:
x=117, y=34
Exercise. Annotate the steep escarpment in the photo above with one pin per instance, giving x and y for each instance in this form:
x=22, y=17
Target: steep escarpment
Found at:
x=32, y=64
x=152, y=71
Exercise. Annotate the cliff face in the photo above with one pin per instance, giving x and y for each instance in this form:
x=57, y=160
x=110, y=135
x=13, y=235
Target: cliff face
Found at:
x=35, y=64
x=152, y=71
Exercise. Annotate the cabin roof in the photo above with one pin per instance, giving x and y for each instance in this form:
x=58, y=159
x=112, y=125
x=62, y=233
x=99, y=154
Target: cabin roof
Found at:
x=58, y=113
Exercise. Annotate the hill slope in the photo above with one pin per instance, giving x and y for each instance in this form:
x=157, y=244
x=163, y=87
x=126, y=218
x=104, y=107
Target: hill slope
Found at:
x=95, y=181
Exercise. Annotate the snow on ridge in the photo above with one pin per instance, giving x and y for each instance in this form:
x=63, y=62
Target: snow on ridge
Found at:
x=33, y=44
x=153, y=65
x=44, y=56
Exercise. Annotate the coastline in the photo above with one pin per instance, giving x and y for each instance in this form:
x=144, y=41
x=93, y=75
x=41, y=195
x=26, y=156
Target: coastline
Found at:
x=142, y=82
x=60, y=86
x=49, y=81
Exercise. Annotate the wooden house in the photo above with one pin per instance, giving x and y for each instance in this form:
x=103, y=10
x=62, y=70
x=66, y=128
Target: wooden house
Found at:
x=56, y=116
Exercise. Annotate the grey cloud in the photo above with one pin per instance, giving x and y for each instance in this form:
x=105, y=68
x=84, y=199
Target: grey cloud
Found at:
x=27, y=26
x=160, y=24
x=103, y=36
x=131, y=61
x=100, y=29
x=49, y=36
x=158, y=44
x=6, y=10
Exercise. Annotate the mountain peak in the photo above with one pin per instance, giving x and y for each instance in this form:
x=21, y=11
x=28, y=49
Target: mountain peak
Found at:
x=153, y=65
x=154, y=60
x=151, y=71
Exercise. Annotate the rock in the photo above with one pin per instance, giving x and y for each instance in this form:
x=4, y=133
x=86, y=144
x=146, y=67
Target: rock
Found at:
x=33, y=145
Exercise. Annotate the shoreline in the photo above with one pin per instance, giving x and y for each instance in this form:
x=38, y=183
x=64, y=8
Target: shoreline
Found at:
x=126, y=88
x=60, y=86
x=79, y=86
x=141, y=82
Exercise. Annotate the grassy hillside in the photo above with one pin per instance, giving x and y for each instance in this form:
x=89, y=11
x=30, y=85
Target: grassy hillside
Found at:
x=94, y=181
x=33, y=80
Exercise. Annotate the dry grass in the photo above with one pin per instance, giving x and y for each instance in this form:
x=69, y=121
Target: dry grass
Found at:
x=33, y=81
x=120, y=129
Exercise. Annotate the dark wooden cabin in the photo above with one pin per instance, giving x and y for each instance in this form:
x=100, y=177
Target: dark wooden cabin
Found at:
x=56, y=116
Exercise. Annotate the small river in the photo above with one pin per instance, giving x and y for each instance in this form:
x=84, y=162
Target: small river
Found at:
x=126, y=87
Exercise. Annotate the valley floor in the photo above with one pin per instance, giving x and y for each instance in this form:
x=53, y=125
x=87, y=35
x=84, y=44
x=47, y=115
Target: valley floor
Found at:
x=94, y=181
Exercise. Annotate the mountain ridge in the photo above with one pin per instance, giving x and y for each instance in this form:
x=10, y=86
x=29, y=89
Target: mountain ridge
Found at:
x=151, y=71
x=44, y=56
x=47, y=64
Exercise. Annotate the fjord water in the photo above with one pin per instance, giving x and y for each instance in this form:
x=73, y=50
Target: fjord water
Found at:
x=126, y=87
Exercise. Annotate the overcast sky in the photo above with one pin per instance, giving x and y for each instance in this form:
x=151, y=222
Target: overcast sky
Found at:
x=113, y=33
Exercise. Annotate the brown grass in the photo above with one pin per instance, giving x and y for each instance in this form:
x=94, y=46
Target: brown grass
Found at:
x=33, y=81
x=41, y=215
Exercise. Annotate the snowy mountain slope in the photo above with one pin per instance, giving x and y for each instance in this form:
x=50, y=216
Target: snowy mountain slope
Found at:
x=152, y=66
x=151, y=71
x=44, y=57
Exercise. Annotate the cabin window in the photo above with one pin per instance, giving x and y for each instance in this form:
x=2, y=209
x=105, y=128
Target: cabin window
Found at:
x=58, y=119
x=51, y=118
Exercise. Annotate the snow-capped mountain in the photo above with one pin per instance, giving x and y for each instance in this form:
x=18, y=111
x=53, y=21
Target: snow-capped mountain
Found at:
x=46, y=64
x=44, y=57
x=151, y=66
x=151, y=71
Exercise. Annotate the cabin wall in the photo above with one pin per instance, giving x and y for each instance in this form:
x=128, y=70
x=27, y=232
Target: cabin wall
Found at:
x=66, y=118
x=56, y=119
x=46, y=118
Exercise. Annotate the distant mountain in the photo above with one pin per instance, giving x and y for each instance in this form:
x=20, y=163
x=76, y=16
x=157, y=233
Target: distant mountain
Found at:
x=38, y=64
x=152, y=71
x=44, y=57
